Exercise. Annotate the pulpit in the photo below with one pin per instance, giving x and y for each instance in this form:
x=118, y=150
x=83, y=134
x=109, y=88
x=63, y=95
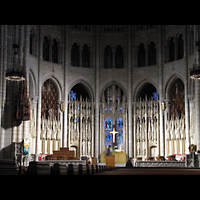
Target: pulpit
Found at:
x=110, y=160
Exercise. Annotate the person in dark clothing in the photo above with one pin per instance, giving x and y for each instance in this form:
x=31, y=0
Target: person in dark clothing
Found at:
x=129, y=163
x=108, y=151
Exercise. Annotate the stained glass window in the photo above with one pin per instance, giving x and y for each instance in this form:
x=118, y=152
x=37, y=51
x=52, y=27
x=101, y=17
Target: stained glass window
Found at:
x=108, y=124
x=120, y=131
x=155, y=95
x=72, y=95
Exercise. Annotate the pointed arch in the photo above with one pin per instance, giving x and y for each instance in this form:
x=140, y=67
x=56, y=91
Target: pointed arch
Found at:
x=108, y=83
x=49, y=99
x=170, y=82
x=56, y=83
x=140, y=85
x=86, y=84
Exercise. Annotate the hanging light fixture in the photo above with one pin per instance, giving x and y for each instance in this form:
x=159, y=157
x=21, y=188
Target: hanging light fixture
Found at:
x=195, y=72
x=15, y=74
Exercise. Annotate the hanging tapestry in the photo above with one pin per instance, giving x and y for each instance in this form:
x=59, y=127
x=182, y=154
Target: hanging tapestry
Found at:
x=108, y=124
x=49, y=100
x=120, y=131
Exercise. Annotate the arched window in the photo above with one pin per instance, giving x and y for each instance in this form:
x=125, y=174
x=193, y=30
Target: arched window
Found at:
x=75, y=55
x=108, y=125
x=171, y=50
x=31, y=43
x=180, y=47
x=152, y=54
x=55, y=51
x=119, y=57
x=108, y=58
x=191, y=42
x=85, y=56
x=141, y=56
x=119, y=130
x=46, y=49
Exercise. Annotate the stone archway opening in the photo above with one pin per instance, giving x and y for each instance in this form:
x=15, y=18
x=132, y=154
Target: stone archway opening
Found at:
x=147, y=90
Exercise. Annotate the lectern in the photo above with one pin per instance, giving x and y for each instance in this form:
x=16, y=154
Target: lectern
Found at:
x=110, y=160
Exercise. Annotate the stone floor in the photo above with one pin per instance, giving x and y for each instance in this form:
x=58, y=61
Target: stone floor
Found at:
x=151, y=171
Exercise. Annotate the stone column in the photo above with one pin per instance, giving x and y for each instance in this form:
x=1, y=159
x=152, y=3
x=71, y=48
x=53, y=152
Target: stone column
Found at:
x=161, y=143
x=3, y=67
x=26, y=53
x=187, y=85
x=66, y=92
x=39, y=86
x=97, y=98
x=1, y=79
x=129, y=95
x=197, y=94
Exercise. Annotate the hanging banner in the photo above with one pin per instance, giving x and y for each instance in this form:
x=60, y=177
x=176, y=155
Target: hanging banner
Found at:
x=26, y=146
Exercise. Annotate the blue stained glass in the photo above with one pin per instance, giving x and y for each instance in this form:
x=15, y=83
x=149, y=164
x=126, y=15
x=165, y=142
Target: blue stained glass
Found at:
x=110, y=107
x=155, y=95
x=76, y=120
x=120, y=131
x=72, y=95
x=108, y=128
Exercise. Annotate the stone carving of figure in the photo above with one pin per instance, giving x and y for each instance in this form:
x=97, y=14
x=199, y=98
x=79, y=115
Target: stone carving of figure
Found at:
x=167, y=130
x=138, y=148
x=182, y=128
x=49, y=129
x=54, y=131
x=43, y=131
x=83, y=145
x=88, y=149
x=58, y=130
x=177, y=129
x=172, y=132
x=32, y=126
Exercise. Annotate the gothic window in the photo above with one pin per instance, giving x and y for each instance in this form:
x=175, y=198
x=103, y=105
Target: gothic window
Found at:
x=152, y=54
x=191, y=42
x=171, y=50
x=119, y=130
x=148, y=90
x=180, y=47
x=119, y=57
x=46, y=49
x=177, y=100
x=141, y=56
x=85, y=56
x=108, y=125
x=55, y=51
x=75, y=55
x=31, y=43
x=49, y=100
x=108, y=59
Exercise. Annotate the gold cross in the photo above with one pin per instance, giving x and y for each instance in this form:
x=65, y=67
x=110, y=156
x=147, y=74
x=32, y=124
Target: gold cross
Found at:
x=113, y=133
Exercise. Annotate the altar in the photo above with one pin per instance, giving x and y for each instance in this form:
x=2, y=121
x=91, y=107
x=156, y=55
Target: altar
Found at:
x=120, y=157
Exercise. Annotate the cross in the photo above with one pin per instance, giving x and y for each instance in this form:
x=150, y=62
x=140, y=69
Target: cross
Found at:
x=113, y=132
